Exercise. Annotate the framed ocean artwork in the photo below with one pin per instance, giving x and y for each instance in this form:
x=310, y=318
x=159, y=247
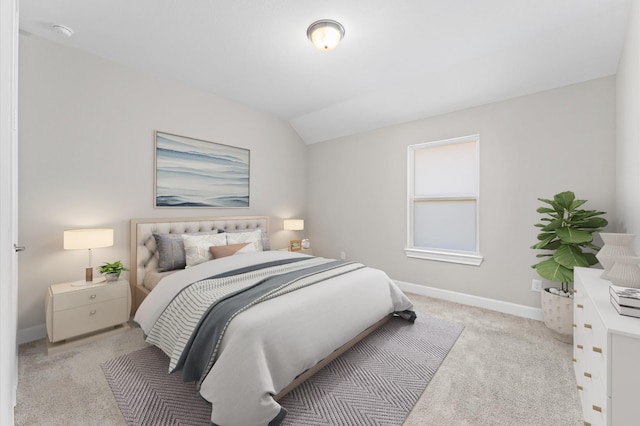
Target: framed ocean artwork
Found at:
x=195, y=173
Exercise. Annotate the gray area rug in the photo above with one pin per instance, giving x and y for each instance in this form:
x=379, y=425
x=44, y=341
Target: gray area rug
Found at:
x=376, y=382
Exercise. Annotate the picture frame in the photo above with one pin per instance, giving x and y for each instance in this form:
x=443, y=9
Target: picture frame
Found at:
x=191, y=172
x=295, y=245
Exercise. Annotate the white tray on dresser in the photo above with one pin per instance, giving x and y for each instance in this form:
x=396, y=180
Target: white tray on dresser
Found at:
x=606, y=347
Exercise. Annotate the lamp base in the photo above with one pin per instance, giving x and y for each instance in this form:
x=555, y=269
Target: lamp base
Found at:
x=83, y=283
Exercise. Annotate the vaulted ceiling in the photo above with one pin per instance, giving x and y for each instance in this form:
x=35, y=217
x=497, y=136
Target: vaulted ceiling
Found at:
x=399, y=61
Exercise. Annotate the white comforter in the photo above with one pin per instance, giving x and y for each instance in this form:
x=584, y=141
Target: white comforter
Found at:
x=269, y=345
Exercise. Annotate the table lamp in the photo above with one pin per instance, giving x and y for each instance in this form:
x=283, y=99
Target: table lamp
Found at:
x=294, y=225
x=88, y=239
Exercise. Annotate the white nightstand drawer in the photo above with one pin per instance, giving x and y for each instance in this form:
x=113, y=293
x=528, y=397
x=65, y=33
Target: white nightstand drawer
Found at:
x=89, y=318
x=95, y=294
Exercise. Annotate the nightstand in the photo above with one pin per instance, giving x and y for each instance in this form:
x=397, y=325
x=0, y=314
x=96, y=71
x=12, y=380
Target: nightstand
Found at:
x=305, y=251
x=83, y=313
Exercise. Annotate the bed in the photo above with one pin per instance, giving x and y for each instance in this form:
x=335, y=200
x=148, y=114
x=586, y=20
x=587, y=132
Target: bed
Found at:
x=277, y=316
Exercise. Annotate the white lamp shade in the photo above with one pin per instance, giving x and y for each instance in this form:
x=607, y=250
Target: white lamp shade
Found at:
x=88, y=238
x=293, y=225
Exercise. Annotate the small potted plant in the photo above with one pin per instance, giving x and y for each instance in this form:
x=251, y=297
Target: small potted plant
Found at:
x=112, y=270
x=566, y=239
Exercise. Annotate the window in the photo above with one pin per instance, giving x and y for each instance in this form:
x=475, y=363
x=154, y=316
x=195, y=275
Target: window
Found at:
x=443, y=196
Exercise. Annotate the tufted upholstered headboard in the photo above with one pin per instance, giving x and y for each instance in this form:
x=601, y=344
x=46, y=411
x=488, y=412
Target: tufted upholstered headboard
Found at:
x=144, y=255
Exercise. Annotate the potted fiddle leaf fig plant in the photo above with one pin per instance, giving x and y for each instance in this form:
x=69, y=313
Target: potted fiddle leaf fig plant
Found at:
x=566, y=241
x=112, y=270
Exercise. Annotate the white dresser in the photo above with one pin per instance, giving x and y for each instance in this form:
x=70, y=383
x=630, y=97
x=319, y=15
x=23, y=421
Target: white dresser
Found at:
x=75, y=313
x=606, y=354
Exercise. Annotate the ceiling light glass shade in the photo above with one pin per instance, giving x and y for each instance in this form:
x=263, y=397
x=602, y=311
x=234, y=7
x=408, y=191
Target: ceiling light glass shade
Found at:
x=293, y=224
x=325, y=34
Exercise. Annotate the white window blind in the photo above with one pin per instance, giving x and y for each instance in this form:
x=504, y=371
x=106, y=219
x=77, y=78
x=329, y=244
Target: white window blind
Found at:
x=443, y=196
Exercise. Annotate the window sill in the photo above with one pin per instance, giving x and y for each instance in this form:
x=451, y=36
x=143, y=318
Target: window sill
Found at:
x=464, y=258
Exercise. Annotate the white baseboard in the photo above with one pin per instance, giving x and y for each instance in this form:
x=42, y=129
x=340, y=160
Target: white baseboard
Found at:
x=467, y=299
x=31, y=334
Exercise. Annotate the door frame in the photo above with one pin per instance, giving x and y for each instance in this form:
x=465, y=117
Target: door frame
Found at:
x=9, y=24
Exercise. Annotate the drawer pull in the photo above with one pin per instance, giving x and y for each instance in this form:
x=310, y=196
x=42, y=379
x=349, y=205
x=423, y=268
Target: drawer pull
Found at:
x=93, y=296
x=574, y=360
x=586, y=423
x=574, y=325
x=588, y=326
x=579, y=346
x=92, y=313
x=580, y=387
x=598, y=350
x=587, y=374
x=596, y=408
x=579, y=305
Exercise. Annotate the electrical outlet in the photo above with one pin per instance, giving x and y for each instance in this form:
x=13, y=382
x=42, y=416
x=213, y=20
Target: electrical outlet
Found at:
x=343, y=255
x=536, y=285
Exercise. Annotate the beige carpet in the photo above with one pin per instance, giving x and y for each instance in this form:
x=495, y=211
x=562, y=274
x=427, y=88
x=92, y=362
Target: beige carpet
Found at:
x=503, y=370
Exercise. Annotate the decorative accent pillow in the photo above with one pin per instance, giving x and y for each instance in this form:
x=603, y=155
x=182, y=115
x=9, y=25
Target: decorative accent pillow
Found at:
x=254, y=237
x=232, y=249
x=196, y=247
x=171, y=250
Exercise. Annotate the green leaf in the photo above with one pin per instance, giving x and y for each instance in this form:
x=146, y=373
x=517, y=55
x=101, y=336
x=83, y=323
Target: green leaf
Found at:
x=565, y=199
x=544, y=235
x=593, y=222
x=553, y=271
x=541, y=245
x=576, y=204
x=593, y=247
x=553, y=225
x=545, y=210
x=591, y=258
x=553, y=245
x=575, y=236
x=544, y=200
x=570, y=256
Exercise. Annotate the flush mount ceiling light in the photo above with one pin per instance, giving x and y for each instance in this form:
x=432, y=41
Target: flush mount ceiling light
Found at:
x=62, y=29
x=325, y=34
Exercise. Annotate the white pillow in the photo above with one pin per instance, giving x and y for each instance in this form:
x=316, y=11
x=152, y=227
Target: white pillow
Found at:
x=254, y=237
x=196, y=247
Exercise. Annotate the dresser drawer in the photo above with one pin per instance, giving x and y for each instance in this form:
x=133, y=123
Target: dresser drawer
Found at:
x=595, y=406
x=595, y=350
x=74, y=299
x=89, y=318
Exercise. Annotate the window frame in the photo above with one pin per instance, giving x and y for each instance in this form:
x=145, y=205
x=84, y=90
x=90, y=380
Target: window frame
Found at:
x=434, y=253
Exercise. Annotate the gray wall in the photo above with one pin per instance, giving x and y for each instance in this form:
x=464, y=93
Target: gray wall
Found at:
x=532, y=146
x=628, y=130
x=86, y=159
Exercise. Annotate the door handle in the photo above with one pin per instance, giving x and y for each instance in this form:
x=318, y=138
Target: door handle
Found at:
x=18, y=248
